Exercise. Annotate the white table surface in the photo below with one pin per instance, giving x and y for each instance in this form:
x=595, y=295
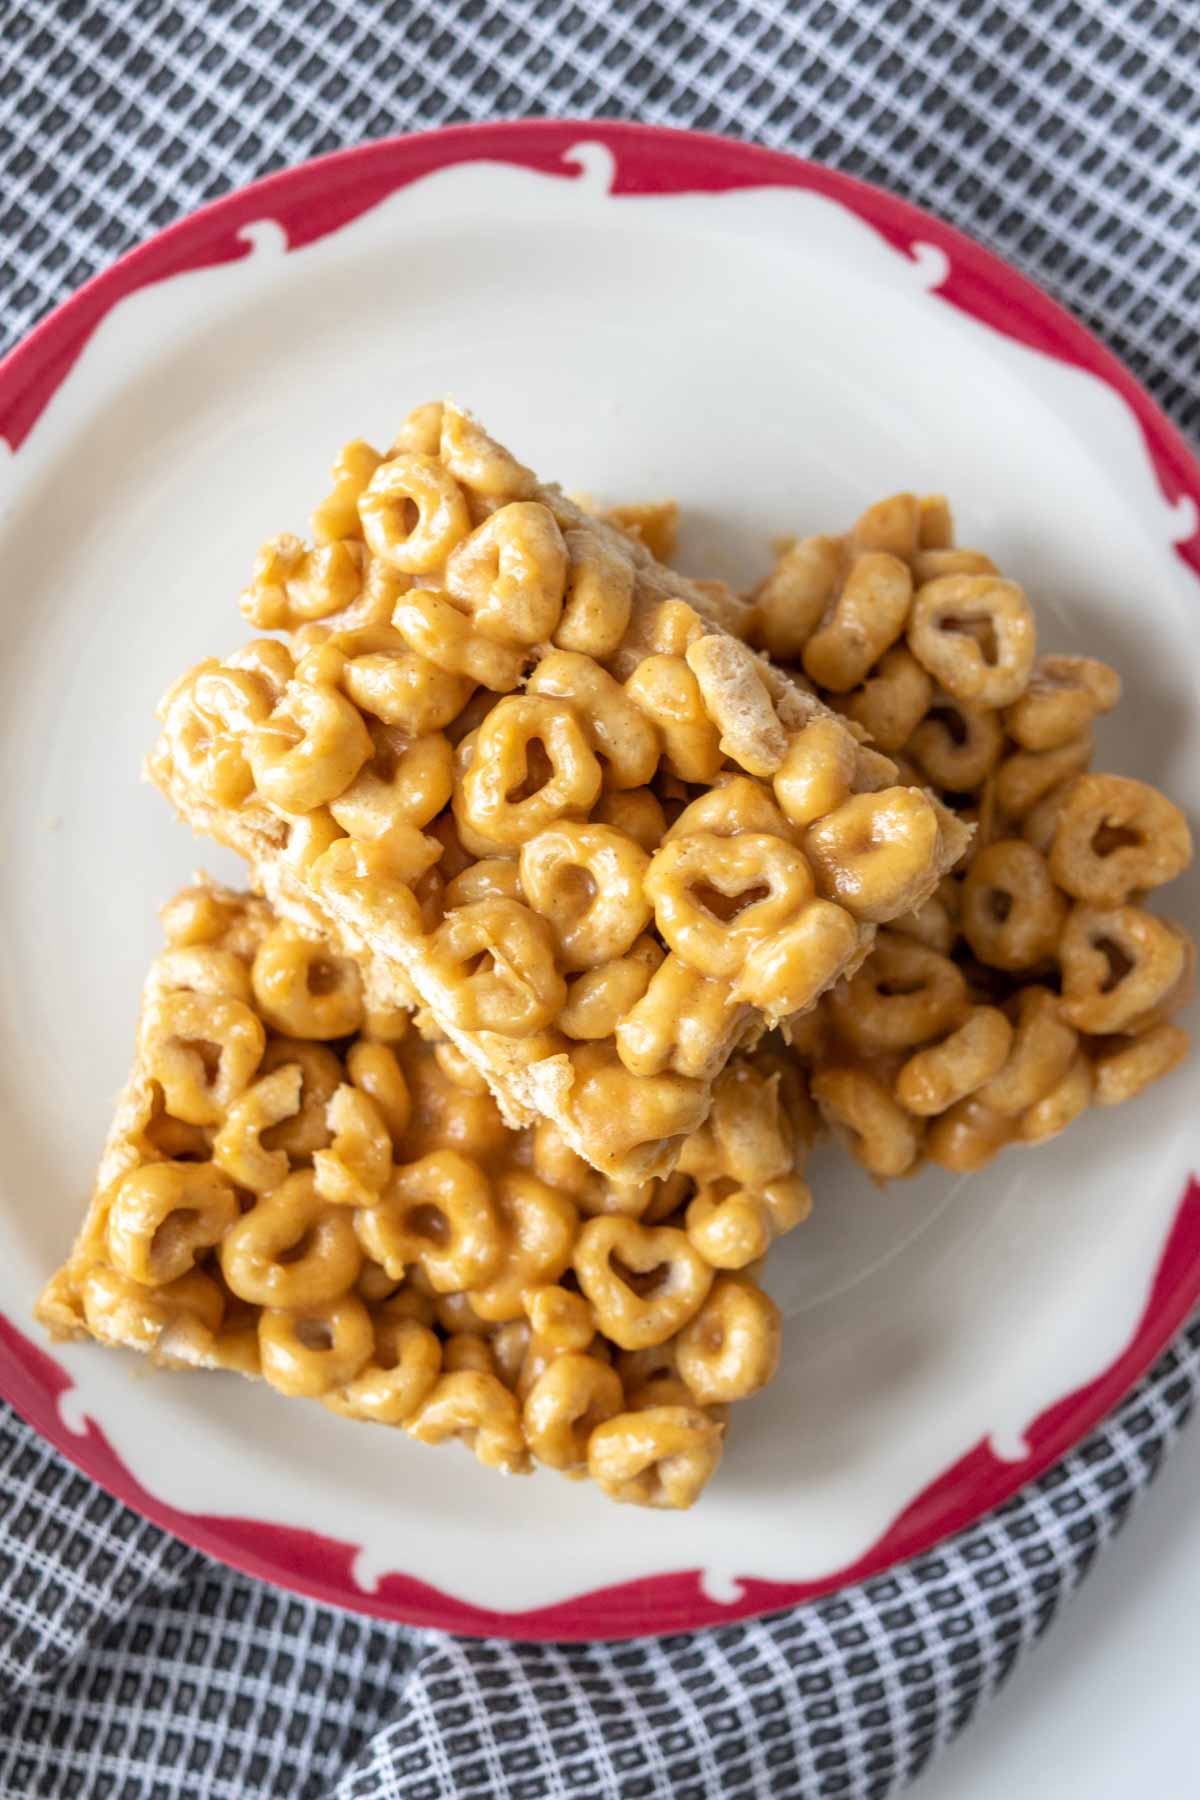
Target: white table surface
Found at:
x=1107, y=1706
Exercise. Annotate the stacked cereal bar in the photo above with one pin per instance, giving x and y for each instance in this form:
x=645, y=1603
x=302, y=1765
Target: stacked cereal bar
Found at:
x=524, y=775
x=466, y=1121
x=298, y=1189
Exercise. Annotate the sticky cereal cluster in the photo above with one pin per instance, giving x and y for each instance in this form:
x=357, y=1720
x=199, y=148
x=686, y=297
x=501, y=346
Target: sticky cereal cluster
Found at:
x=1035, y=981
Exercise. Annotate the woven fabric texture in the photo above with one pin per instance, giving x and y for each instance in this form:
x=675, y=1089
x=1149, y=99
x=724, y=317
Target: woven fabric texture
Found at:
x=1065, y=135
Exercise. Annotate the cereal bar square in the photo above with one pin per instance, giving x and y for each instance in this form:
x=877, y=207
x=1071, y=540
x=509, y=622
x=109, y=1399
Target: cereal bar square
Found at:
x=533, y=782
x=299, y=1189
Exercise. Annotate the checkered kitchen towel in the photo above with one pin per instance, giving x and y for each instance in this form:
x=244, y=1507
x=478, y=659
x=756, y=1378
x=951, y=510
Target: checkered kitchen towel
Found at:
x=1067, y=135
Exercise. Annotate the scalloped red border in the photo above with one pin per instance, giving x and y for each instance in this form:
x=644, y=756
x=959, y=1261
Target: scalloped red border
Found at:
x=309, y=202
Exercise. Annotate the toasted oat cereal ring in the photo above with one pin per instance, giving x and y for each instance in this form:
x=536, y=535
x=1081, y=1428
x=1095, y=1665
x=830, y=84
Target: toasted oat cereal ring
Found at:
x=619, y=732
x=948, y=559
x=468, y=1350
x=435, y=626
x=238, y=1149
x=164, y=1215
x=559, y=1318
x=654, y=523
x=509, y=1344
x=662, y=1456
x=587, y=881
x=1064, y=695
x=437, y=1214
x=643, y=1282
x=292, y=584
x=891, y=700
x=785, y=972
x=731, y=1348
x=957, y=745
x=815, y=775
x=599, y=595
x=336, y=518
x=355, y=1168
x=309, y=836
x=397, y=1376
x=473, y=456
x=788, y=1200
x=385, y=677
x=1043, y=1048
x=292, y=1249
x=935, y=922
x=204, y=1051
x=307, y=1128
x=873, y=854
x=1059, y=1105
x=894, y=524
x=413, y=513
x=865, y=619
x=198, y=969
x=637, y=812
x=692, y=880
x=375, y=1284
x=877, y=1131
x=443, y=1116
x=903, y=995
x=598, y=999
x=511, y=573
x=506, y=792
x=452, y=1313
x=119, y=1310
x=406, y=782
x=935, y=1078
x=667, y=692
x=1118, y=964
x=537, y=1227
x=572, y=1395
x=1027, y=776
x=479, y=1410
x=935, y=524
x=736, y=803
x=1123, y=1069
x=751, y=1123
x=683, y=1021
x=967, y=1137
x=729, y=1225
x=376, y=1072
x=1116, y=837
x=208, y=717
x=491, y=878
x=309, y=750
x=519, y=990
x=308, y=1350
x=1012, y=914
x=1041, y=821
x=303, y=990
x=975, y=635
x=791, y=602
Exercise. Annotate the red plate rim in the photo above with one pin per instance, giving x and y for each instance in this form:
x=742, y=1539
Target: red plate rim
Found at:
x=310, y=201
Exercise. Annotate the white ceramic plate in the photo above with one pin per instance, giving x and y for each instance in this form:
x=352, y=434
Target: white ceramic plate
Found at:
x=638, y=312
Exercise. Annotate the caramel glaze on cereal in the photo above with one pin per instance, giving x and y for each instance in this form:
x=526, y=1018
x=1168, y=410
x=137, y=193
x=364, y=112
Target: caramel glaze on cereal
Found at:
x=531, y=781
x=300, y=1188
x=1035, y=981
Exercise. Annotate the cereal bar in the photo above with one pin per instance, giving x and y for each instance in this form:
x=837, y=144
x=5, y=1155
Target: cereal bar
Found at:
x=527, y=777
x=297, y=1189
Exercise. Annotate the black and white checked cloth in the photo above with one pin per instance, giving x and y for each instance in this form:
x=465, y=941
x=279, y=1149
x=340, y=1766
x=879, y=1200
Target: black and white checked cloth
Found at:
x=1065, y=134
